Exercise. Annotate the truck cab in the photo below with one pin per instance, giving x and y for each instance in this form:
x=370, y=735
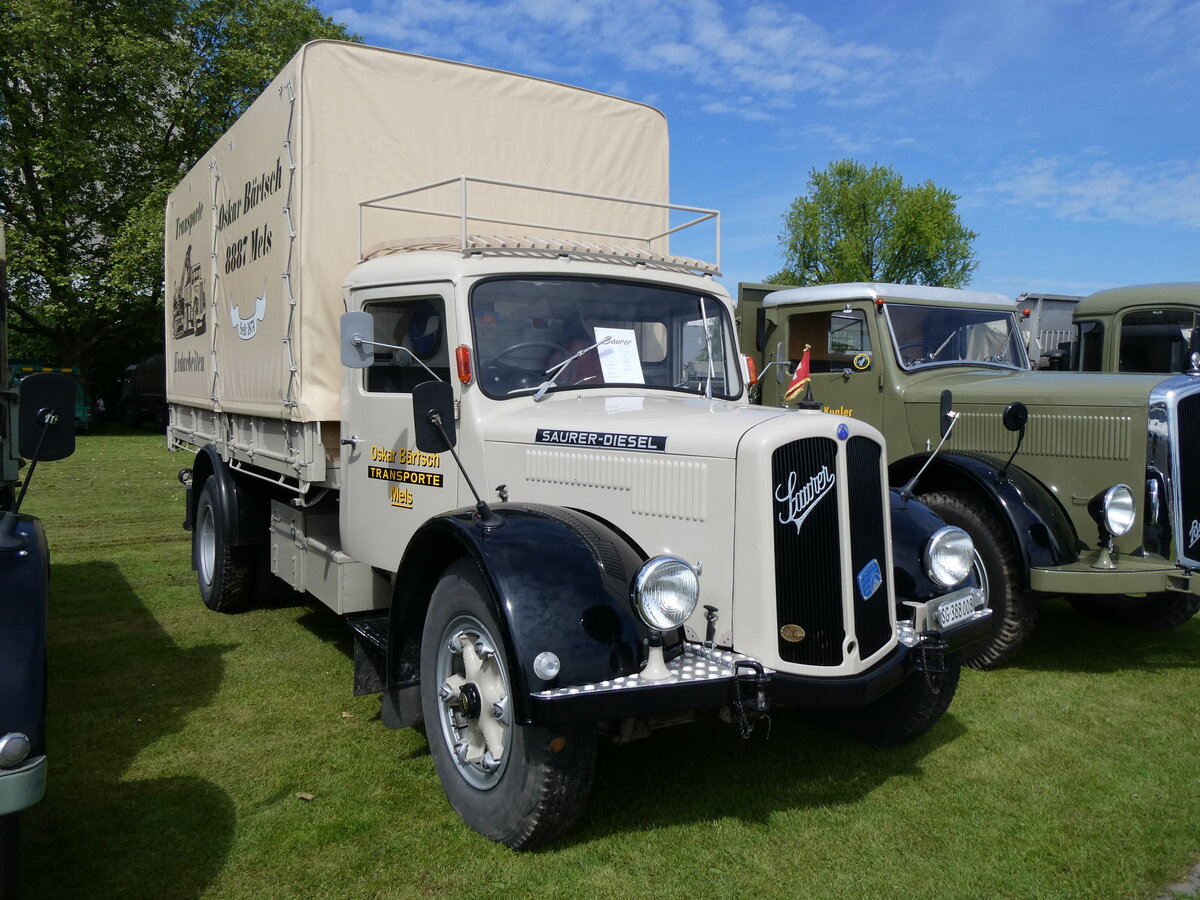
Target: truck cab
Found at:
x=1144, y=328
x=1089, y=495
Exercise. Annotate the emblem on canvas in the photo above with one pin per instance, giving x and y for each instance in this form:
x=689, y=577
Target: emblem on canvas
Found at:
x=247, y=327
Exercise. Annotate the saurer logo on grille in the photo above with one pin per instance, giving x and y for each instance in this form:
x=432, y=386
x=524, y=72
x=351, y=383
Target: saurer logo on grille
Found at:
x=798, y=502
x=1193, y=533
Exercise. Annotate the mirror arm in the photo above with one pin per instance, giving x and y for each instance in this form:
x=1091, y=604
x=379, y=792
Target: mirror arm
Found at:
x=9, y=541
x=487, y=517
x=907, y=489
x=358, y=340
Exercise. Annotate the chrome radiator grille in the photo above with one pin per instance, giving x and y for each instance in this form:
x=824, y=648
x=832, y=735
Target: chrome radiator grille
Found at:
x=1187, y=486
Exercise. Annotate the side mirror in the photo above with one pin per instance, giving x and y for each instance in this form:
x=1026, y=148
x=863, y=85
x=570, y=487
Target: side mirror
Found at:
x=760, y=329
x=781, y=370
x=430, y=400
x=357, y=335
x=47, y=417
x=1016, y=414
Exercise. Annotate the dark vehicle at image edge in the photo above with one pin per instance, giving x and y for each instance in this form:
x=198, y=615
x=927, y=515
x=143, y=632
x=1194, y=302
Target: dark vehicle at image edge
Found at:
x=36, y=423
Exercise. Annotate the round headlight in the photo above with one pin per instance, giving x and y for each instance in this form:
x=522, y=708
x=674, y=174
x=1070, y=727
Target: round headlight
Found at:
x=665, y=592
x=949, y=556
x=1118, y=509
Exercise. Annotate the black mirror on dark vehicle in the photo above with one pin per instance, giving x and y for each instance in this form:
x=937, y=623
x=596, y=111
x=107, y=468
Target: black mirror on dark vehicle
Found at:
x=47, y=416
x=433, y=404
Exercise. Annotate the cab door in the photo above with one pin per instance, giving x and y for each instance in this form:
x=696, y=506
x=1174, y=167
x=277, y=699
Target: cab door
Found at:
x=389, y=486
x=842, y=360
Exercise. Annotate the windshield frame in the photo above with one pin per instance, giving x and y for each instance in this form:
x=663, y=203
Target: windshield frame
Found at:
x=710, y=312
x=1015, y=338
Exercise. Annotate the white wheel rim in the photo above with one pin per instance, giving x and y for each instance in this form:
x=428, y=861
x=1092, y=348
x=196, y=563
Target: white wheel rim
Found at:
x=474, y=709
x=206, y=533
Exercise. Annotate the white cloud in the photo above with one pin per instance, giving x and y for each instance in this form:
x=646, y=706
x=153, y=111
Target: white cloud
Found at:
x=1165, y=193
x=746, y=59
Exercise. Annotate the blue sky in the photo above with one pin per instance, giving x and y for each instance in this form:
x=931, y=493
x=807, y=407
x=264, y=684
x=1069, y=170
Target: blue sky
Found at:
x=1070, y=129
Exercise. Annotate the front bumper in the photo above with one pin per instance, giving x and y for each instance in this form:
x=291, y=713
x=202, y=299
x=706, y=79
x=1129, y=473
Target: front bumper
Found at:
x=23, y=786
x=1129, y=575
x=709, y=678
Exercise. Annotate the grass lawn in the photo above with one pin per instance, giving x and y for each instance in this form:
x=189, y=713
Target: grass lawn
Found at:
x=179, y=740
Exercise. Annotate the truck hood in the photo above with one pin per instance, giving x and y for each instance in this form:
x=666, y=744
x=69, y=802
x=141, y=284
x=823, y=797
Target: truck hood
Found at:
x=684, y=426
x=1035, y=389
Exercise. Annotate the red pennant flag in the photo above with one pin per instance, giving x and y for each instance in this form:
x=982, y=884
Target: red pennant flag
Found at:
x=800, y=379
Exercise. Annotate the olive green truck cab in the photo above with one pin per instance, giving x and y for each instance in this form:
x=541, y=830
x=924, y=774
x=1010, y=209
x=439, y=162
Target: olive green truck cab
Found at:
x=1092, y=494
x=1141, y=328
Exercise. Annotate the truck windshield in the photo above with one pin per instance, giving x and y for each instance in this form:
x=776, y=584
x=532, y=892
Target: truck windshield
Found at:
x=938, y=335
x=625, y=334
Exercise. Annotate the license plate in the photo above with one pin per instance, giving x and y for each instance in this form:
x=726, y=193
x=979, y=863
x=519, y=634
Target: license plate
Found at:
x=953, y=611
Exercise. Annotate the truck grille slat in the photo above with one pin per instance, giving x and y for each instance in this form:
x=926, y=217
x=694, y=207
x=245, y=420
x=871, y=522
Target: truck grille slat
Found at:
x=868, y=550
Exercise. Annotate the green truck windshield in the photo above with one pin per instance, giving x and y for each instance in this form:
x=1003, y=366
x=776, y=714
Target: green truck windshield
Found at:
x=938, y=335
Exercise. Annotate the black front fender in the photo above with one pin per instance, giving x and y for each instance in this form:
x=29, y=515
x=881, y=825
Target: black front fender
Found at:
x=560, y=582
x=913, y=523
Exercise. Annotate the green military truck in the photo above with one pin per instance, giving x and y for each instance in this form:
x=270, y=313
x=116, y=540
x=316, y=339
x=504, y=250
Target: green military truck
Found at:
x=1143, y=328
x=1087, y=495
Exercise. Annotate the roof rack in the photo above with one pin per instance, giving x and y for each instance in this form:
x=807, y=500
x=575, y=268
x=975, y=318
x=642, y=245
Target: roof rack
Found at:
x=516, y=245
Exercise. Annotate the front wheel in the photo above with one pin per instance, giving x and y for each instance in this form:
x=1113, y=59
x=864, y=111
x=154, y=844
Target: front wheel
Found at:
x=905, y=713
x=520, y=785
x=998, y=571
x=1161, y=611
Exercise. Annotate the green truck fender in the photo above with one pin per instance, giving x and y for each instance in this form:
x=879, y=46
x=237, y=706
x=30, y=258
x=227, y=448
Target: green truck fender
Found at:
x=1039, y=526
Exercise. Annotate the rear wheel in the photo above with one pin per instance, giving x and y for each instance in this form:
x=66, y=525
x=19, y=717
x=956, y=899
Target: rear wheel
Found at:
x=997, y=568
x=520, y=785
x=226, y=574
x=1162, y=611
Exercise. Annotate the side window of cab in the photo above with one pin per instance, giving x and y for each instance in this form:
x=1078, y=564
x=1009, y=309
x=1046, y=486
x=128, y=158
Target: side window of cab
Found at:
x=416, y=328
x=1155, y=340
x=835, y=339
x=1087, y=353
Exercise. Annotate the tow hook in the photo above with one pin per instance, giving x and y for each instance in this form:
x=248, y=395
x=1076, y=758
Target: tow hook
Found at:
x=750, y=696
x=930, y=657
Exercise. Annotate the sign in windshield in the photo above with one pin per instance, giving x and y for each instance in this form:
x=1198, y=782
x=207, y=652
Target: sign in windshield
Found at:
x=582, y=333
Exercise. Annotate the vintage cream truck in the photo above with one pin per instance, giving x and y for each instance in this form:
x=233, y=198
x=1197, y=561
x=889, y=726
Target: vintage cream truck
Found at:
x=437, y=367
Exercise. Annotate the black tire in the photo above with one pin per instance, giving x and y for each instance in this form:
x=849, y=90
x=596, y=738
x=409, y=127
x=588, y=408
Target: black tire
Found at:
x=1162, y=611
x=8, y=856
x=539, y=786
x=905, y=713
x=998, y=569
x=226, y=574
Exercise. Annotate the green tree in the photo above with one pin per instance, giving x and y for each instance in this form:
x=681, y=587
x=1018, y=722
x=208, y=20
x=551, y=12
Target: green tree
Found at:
x=864, y=224
x=104, y=104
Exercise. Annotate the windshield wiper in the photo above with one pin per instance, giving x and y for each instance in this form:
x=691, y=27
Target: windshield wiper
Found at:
x=555, y=371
